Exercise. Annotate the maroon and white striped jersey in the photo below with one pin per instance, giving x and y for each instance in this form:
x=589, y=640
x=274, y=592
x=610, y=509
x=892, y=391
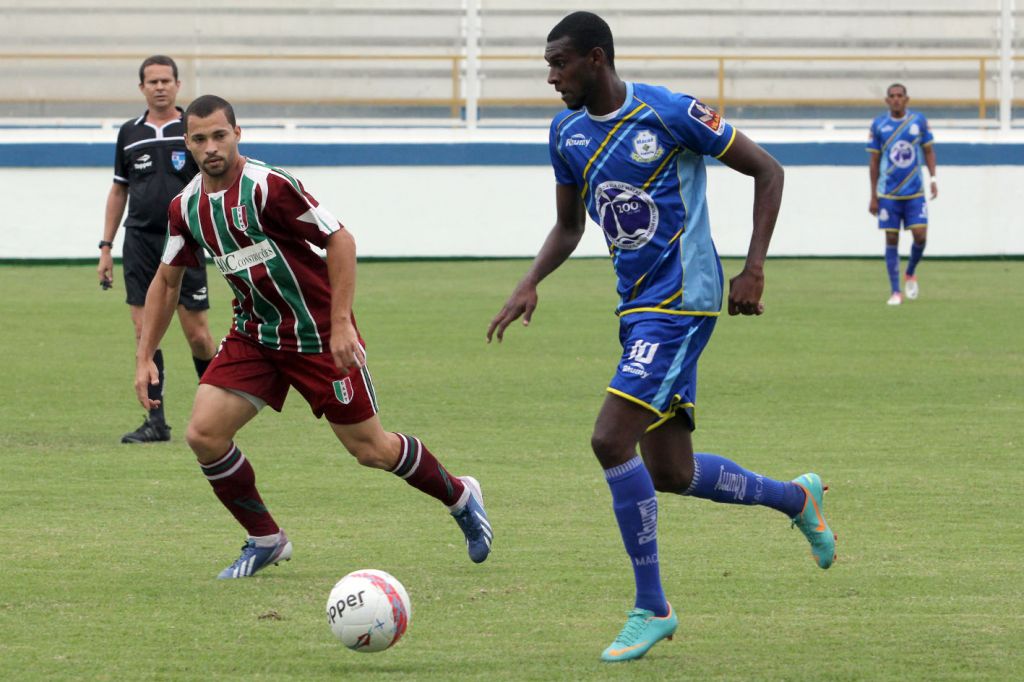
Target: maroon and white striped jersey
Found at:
x=258, y=234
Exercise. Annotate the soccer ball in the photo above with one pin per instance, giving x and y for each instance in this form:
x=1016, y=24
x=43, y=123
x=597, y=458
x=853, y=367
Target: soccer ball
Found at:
x=368, y=610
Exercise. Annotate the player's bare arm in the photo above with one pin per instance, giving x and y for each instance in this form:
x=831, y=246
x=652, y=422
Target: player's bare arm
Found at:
x=117, y=199
x=560, y=243
x=929, y=159
x=161, y=300
x=874, y=163
x=341, y=270
x=747, y=157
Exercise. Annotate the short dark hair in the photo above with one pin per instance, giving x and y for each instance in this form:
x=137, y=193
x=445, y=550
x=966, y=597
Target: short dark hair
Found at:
x=896, y=85
x=207, y=105
x=162, y=60
x=585, y=31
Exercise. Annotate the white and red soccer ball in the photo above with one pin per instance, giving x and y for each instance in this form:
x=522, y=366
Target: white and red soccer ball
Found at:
x=368, y=610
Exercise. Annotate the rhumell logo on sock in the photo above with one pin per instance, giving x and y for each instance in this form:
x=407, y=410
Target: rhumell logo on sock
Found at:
x=731, y=483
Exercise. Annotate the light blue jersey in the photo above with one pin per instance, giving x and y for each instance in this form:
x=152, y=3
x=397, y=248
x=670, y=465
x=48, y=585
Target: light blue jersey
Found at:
x=900, y=143
x=640, y=172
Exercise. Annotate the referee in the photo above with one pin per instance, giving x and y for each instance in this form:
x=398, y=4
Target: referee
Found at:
x=150, y=168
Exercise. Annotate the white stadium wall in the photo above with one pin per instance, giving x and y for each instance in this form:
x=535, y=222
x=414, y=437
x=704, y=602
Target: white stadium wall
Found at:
x=475, y=205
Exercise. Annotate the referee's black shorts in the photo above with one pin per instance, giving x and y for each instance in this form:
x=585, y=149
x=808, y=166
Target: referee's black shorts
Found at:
x=141, y=257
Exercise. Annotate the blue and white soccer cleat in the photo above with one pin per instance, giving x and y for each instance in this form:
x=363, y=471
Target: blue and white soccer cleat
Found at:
x=472, y=519
x=254, y=558
x=642, y=631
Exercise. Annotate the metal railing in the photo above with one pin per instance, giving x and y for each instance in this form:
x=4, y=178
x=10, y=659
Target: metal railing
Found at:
x=721, y=66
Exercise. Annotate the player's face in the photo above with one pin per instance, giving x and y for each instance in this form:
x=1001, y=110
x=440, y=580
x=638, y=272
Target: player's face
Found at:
x=213, y=143
x=571, y=73
x=159, y=87
x=896, y=99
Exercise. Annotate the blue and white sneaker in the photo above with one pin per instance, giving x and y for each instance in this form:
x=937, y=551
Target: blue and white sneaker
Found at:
x=254, y=558
x=472, y=519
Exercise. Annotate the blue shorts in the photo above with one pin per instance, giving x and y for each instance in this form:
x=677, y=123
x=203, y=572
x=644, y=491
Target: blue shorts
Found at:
x=912, y=213
x=658, y=368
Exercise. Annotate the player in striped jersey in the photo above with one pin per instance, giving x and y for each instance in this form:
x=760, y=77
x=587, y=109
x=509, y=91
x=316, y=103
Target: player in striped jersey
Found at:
x=632, y=156
x=898, y=142
x=293, y=327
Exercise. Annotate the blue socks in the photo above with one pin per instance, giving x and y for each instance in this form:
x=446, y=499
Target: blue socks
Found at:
x=916, y=251
x=636, y=510
x=721, y=480
x=892, y=264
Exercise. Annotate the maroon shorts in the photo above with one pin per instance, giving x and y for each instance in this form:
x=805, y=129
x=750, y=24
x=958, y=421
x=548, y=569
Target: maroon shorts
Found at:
x=245, y=365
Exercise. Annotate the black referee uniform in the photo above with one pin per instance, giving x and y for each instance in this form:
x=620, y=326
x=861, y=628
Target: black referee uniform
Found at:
x=155, y=165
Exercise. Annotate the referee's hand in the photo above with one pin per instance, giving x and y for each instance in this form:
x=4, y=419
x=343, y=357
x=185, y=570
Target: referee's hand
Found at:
x=105, y=269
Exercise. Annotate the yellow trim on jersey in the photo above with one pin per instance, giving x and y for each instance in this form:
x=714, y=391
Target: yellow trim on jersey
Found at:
x=890, y=196
x=898, y=130
x=660, y=168
x=731, y=140
x=671, y=298
x=873, y=150
x=636, y=286
x=604, y=143
x=927, y=144
x=695, y=313
x=915, y=174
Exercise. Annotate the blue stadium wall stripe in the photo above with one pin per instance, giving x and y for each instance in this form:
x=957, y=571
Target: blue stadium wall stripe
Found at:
x=92, y=155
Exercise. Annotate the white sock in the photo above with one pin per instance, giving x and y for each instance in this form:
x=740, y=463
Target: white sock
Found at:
x=266, y=540
x=462, y=502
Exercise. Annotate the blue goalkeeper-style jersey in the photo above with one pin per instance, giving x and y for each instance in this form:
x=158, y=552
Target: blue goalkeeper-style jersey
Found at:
x=640, y=172
x=899, y=142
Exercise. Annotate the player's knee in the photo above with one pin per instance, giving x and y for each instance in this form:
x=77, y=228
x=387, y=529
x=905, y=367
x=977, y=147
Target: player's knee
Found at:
x=205, y=443
x=607, y=448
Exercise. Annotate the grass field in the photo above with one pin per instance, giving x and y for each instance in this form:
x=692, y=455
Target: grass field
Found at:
x=912, y=414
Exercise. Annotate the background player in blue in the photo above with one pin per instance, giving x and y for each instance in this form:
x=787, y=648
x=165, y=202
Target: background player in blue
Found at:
x=631, y=155
x=897, y=142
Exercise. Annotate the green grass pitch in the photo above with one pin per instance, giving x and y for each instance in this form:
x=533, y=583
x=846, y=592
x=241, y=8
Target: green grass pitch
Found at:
x=913, y=415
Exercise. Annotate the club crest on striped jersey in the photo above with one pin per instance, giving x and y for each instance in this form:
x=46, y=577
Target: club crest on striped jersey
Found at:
x=239, y=218
x=343, y=390
x=645, y=147
x=706, y=116
x=178, y=160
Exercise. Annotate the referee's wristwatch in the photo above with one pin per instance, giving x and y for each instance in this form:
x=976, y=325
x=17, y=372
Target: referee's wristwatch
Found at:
x=104, y=242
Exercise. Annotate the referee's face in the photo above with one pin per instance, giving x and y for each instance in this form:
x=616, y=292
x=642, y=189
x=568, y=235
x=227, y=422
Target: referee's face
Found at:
x=159, y=87
x=213, y=142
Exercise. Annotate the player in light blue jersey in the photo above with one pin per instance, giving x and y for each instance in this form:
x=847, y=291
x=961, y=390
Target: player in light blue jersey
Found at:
x=897, y=143
x=632, y=156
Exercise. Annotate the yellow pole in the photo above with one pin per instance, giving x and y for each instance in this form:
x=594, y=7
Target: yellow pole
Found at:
x=981, y=89
x=721, y=86
x=455, y=88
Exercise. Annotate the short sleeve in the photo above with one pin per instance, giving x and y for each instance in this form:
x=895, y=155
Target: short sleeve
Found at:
x=120, y=167
x=296, y=211
x=697, y=126
x=563, y=173
x=181, y=249
x=874, y=144
x=926, y=132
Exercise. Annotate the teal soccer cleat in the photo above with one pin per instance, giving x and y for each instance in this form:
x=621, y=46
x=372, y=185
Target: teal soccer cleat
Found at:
x=811, y=521
x=642, y=631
